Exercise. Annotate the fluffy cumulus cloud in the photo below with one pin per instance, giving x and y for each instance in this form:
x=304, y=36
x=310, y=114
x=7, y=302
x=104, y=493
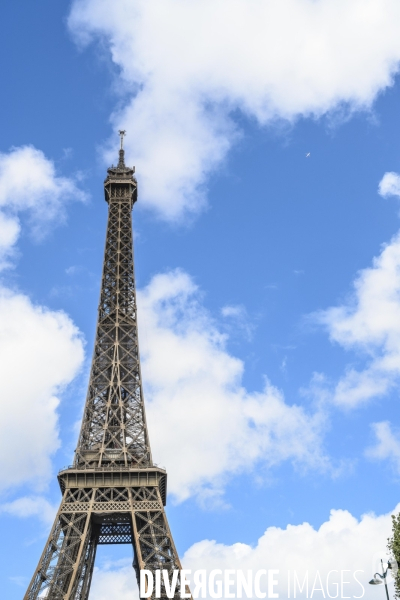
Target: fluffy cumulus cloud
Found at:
x=326, y=560
x=30, y=506
x=114, y=580
x=204, y=424
x=369, y=323
x=390, y=185
x=343, y=543
x=387, y=446
x=29, y=183
x=41, y=351
x=186, y=67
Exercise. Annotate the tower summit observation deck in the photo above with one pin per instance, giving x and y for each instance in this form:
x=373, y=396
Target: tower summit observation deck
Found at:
x=113, y=493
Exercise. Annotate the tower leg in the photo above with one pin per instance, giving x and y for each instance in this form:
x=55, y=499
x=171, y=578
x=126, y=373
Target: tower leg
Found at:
x=153, y=544
x=85, y=579
x=66, y=556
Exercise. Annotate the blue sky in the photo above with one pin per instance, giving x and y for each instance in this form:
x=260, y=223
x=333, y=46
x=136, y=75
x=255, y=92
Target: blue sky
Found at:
x=269, y=280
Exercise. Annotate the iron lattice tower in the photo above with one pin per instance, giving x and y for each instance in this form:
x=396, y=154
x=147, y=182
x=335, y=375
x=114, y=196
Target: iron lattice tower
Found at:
x=113, y=493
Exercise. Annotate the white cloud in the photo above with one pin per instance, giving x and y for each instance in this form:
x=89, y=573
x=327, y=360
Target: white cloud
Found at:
x=41, y=351
x=187, y=66
x=369, y=323
x=29, y=183
x=235, y=311
x=9, y=233
x=387, y=445
x=343, y=543
x=114, y=581
x=204, y=425
x=389, y=185
x=29, y=506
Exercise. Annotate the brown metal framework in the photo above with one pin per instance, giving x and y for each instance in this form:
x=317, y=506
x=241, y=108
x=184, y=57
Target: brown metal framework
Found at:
x=113, y=493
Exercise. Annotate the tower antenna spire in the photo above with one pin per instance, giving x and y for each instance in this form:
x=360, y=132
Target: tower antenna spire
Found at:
x=121, y=162
x=122, y=134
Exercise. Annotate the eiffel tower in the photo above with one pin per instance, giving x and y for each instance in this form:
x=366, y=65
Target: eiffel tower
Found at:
x=113, y=493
